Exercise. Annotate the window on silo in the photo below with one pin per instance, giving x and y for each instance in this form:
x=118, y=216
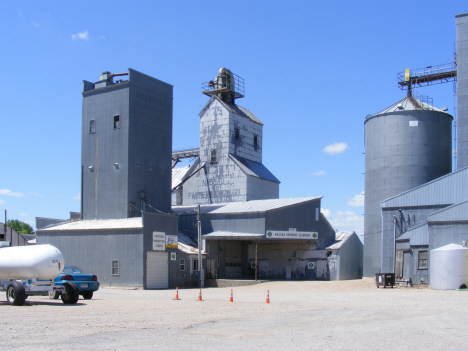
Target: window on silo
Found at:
x=116, y=121
x=237, y=133
x=213, y=156
x=115, y=268
x=422, y=260
x=255, y=140
x=92, y=126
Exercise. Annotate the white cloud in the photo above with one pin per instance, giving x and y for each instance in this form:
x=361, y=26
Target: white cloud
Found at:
x=35, y=194
x=326, y=212
x=345, y=221
x=103, y=37
x=36, y=24
x=319, y=173
x=82, y=36
x=23, y=214
x=77, y=197
x=357, y=200
x=10, y=193
x=335, y=148
x=2, y=202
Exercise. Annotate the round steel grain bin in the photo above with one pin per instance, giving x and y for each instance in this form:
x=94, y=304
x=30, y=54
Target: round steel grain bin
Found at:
x=406, y=145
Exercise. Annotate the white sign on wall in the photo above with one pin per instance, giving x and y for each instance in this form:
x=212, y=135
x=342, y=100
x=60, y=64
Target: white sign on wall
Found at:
x=274, y=234
x=311, y=265
x=159, y=241
x=173, y=256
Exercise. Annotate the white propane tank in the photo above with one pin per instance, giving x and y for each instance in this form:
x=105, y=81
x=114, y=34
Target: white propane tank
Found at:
x=43, y=262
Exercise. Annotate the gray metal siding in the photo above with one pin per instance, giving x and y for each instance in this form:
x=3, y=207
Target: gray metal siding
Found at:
x=399, y=158
x=351, y=258
x=141, y=147
x=104, y=192
x=454, y=213
x=150, y=141
x=418, y=216
x=93, y=252
x=462, y=90
x=447, y=190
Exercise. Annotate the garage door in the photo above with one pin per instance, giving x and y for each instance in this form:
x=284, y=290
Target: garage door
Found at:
x=157, y=270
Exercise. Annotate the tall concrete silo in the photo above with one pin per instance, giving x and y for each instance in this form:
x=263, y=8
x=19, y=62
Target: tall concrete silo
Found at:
x=406, y=144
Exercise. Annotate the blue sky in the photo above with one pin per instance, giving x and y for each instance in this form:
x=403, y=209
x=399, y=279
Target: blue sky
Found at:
x=313, y=70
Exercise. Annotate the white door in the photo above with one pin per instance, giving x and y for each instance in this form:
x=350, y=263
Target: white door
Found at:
x=157, y=270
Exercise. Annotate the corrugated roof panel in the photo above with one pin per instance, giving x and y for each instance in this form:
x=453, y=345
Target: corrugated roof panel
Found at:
x=454, y=213
x=178, y=174
x=451, y=188
x=126, y=223
x=407, y=104
x=254, y=168
x=418, y=236
x=340, y=239
x=261, y=205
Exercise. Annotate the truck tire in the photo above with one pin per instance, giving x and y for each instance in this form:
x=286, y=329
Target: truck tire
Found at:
x=87, y=295
x=16, y=294
x=71, y=294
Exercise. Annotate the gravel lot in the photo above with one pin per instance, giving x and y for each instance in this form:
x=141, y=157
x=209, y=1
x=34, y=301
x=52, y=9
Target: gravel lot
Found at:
x=347, y=315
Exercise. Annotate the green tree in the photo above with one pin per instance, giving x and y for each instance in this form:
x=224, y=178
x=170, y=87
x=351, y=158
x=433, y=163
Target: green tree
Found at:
x=20, y=227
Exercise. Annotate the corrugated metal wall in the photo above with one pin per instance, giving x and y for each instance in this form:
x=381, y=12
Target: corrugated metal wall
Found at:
x=399, y=157
x=93, y=252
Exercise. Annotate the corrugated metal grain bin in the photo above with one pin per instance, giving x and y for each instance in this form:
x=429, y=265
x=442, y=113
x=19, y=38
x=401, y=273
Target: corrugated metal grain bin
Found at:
x=407, y=144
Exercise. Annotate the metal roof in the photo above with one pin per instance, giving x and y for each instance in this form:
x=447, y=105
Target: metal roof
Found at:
x=449, y=189
x=454, y=213
x=238, y=110
x=262, y=205
x=407, y=104
x=254, y=168
x=335, y=242
x=178, y=175
x=126, y=223
x=243, y=207
x=417, y=236
x=222, y=235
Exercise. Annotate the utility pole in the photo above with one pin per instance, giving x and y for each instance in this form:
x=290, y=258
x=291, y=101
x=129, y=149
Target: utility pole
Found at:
x=200, y=266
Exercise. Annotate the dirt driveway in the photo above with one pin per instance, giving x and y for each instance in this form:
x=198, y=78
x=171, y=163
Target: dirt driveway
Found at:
x=347, y=315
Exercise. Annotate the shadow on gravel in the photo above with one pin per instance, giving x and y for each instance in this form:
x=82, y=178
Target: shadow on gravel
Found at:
x=44, y=303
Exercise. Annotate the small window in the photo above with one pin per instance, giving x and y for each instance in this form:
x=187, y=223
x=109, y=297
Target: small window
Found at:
x=182, y=264
x=255, y=140
x=213, y=156
x=116, y=121
x=92, y=126
x=422, y=260
x=195, y=265
x=115, y=268
x=237, y=133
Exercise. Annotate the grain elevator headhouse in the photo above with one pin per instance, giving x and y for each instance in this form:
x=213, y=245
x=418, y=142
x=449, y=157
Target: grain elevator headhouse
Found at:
x=229, y=167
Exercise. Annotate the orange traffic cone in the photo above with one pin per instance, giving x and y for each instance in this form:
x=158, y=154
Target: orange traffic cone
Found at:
x=268, y=297
x=177, y=294
x=231, y=298
x=199, y=296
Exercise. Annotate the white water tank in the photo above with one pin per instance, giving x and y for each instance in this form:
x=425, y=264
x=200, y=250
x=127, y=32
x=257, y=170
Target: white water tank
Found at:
x=449, y=267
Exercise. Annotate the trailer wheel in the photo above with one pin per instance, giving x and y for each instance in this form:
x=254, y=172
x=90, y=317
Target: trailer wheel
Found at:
x=71, y=294
x=87, y=295
x=16, y=294
x=54, y=294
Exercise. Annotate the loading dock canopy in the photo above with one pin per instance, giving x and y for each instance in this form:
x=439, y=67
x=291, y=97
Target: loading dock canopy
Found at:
x=220, y=235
